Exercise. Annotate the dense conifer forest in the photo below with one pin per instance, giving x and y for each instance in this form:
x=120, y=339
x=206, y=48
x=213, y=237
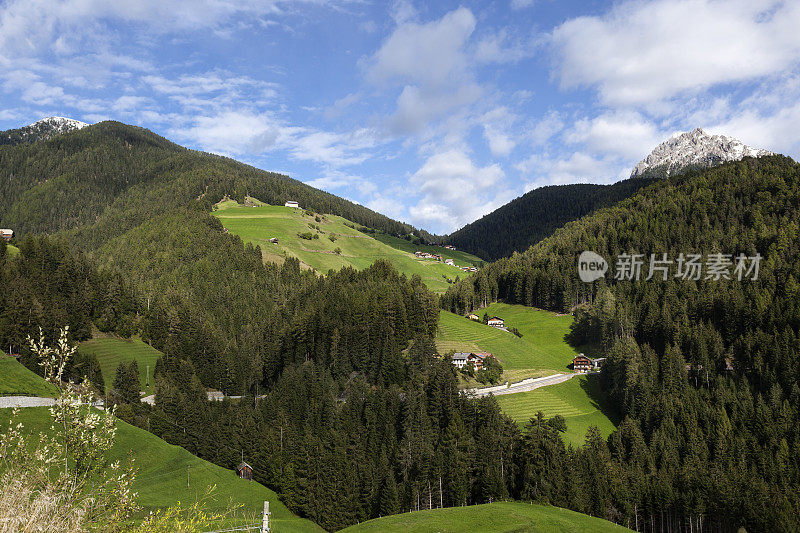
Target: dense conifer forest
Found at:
x=535, y=215
x=701, y=444
x=349, y=412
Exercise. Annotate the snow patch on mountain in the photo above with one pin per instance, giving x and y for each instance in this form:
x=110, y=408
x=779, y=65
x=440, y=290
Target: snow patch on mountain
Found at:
x=57, y=124
x=694, y=148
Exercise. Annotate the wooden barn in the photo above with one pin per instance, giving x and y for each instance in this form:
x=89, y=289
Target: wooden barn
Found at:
x=245, y=471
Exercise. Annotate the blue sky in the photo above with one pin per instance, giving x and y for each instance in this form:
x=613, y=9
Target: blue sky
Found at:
x=432, y=113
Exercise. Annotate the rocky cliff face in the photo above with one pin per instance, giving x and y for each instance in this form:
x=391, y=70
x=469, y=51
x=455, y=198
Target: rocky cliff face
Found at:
x=694, y=149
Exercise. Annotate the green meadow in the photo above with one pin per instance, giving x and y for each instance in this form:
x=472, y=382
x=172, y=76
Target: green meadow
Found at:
x=259, y=224
x=12, y=250
x=162, y=469
x=111, y=351
x=578, y=400
x=16, y=380
x=541, y=351
x=499, y=517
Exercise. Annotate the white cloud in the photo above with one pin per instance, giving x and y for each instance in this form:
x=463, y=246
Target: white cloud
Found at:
x=640, y=53
x=428, y=54
x=623, y=133
x=496, y=130
x=546, y=127
x=776, y=130
x=231, y=132
x=431, y=65
x=335, y=149
x=27, y=25
x=455, y=190
x=579, y=167
x=521, y=4
x=501, y=48
x=417, y=108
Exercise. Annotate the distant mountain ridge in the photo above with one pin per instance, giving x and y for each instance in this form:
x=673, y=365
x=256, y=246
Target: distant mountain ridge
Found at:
x=693, y=149
x=535, y=215
x=41, y=130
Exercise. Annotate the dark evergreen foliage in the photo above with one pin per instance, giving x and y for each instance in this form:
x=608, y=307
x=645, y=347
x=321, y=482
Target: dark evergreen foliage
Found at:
x=700, y=444
x=108, y=178
x=535, y=215
x=350, y=413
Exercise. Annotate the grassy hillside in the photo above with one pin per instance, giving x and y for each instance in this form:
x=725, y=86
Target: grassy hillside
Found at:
x=108, y=178
x=259, y=224
x=16, y=380
x=489, y=518
x=460, y=257
x=578, y=400
x=541, y=350
x=162, y=472
x=110, y=352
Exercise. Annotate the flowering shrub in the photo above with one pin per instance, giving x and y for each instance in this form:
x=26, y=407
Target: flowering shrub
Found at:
x=62, y=482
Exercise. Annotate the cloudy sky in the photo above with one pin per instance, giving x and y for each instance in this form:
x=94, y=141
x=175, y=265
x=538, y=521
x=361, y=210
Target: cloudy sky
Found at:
x=433, y=113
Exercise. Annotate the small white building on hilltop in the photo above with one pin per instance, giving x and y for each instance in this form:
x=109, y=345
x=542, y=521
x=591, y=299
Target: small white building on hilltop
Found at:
x=291, y=203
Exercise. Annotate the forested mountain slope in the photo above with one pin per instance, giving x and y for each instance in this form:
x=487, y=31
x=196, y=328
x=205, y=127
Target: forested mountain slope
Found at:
x=111, y=177
x=535, y=215
x=701, y=442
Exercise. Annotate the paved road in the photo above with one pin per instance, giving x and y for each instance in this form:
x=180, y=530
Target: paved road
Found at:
x=25, y=401
x=32, y=401
x=212, y=395
x=522, y=386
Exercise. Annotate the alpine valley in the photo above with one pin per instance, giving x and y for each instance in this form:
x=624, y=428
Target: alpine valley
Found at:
x=241, y=320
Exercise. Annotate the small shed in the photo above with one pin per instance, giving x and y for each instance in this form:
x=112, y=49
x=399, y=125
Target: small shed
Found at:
x=473, y=317
x=291, y=203
x=245, y=471
x=7, y=234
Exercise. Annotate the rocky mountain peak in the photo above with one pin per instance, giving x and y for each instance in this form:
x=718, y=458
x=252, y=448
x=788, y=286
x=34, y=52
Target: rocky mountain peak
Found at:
x=694, y=148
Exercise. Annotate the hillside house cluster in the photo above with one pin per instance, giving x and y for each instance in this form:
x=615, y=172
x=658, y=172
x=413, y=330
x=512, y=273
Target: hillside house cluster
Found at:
x=450, y=247
x=582, y=364
x=438, y=257
x=7, y=234
x=462, y=359
x=426, y=255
